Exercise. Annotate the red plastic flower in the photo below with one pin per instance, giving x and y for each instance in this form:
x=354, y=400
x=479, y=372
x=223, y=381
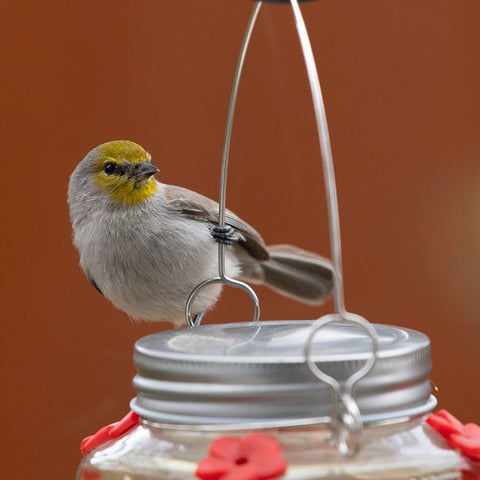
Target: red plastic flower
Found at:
x=109, y=432
x=90, y=474
x=465, y=438
x=256, y=456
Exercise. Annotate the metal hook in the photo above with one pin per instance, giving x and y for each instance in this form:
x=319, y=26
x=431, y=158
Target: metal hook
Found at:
x=346, y=419
x=222, y=277
x=347, y=426
x=230, y=281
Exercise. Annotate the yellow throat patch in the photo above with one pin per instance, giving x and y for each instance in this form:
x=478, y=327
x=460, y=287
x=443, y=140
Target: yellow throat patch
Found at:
x=120, y=155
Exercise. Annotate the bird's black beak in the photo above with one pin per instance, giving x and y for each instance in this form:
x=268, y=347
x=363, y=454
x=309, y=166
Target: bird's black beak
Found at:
x=143, y=170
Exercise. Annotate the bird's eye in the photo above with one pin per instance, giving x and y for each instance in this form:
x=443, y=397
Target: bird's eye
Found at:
x=111, y=168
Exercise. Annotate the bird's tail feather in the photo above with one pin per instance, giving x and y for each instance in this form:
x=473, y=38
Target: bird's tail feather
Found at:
x=299, y=274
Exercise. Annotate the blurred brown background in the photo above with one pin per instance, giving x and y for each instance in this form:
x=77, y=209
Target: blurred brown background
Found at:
x=401, y=81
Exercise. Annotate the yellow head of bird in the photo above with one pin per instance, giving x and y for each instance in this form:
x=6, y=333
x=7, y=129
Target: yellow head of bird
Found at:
x=124, y=170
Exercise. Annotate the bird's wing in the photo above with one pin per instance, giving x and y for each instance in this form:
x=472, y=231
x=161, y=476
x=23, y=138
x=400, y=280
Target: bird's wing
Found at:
x=201, y=208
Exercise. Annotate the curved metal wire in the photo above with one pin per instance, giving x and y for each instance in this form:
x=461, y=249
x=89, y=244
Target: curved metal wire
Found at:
x=346, y=419
x=222, y=277
x=327, y=157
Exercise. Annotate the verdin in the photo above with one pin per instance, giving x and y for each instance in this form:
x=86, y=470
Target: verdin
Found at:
x=146, y=245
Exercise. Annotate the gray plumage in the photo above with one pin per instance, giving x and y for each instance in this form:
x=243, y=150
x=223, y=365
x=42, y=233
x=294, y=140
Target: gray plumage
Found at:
x=147, y=257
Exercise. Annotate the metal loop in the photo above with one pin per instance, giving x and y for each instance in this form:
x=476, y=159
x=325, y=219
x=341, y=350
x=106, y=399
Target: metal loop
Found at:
x=345, y=418
x=358, y=375
x=347, y=426
x=229, y=281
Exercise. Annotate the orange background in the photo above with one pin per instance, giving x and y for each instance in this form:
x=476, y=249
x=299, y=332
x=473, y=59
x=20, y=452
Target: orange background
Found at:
x=401, y=81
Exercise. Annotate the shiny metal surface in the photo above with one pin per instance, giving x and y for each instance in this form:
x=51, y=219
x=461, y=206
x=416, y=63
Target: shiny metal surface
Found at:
x=247, y=373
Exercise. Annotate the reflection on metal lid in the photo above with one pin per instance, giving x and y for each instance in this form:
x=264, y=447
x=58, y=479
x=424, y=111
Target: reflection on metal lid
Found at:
x=256, y=373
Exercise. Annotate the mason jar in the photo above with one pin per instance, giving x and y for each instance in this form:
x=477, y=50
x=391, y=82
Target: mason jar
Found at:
x=198, y=385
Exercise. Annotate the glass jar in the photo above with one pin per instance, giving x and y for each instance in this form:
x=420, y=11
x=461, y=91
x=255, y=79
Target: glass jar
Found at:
x=196, y=385
x=401, y=451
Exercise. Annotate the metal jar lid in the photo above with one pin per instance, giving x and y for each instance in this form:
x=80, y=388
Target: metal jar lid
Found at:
x=256, y=373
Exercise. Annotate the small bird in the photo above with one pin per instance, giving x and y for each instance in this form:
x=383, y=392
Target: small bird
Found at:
x=146, y=245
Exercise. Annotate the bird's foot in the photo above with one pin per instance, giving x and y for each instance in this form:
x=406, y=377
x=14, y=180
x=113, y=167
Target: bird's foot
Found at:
x=225, y=235
x=197, y=319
